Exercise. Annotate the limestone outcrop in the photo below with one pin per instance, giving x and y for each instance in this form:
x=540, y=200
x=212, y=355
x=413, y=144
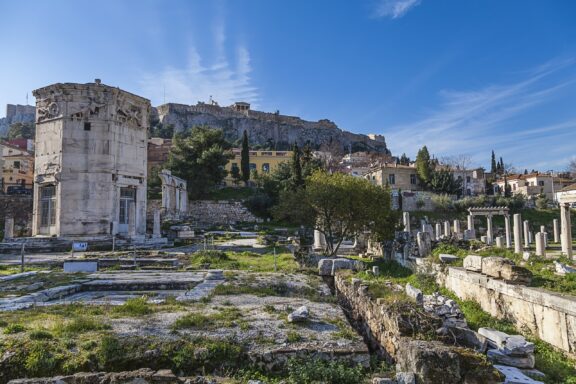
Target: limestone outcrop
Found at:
x=269, y=130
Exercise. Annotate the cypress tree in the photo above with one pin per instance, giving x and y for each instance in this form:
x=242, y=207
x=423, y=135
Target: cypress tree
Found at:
x=297, y=167
x=245, y=159
x=424, y=166
x=493, y=166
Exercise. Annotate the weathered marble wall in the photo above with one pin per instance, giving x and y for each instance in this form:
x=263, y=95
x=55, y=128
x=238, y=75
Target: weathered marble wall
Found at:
x=550, y=316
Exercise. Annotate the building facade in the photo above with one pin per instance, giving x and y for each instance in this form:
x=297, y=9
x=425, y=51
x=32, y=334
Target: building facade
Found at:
x=90, y=161
x=473, y=181
x=17, y=166
x=260, y=161
x=396, y=176
x=533, y=184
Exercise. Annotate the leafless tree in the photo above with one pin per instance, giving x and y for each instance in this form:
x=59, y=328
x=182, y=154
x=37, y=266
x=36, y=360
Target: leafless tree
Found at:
x=572, y=167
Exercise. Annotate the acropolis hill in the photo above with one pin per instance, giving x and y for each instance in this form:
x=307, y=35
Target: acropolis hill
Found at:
x=268, y=130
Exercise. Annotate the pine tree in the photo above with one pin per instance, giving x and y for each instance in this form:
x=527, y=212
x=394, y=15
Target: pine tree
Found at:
x=245, y=159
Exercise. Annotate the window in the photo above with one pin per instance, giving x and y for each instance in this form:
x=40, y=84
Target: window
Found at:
x=468, y=179
x=47, y=205
x=391, y=179
x=127, y=196
x=252, y=167
x=265, y=167
x=541, y=183
x=17, y=164
x=234, y=165
x=413, y=179
x=87, y=126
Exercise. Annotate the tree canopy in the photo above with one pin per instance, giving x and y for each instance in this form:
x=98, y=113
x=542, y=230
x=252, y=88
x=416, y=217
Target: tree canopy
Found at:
x=443, y=182
x=199, y=158
x=339, y=206
x=424, y=166
x=21, y=131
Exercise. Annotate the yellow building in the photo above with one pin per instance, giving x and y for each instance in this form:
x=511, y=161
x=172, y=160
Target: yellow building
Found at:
x=260, y=161
x=17, y=168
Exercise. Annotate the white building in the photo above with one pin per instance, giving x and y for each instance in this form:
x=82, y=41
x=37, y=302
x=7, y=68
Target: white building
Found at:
x=90, y=161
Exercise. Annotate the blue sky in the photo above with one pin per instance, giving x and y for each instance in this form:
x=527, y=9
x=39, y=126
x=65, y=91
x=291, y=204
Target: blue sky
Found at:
x=460, y=76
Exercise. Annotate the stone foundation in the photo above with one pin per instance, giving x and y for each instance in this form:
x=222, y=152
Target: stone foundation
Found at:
x=208, y=212
x=392, y=330
x=550, y=316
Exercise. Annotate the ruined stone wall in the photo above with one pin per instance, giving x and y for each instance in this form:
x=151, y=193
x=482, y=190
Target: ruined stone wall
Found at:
x=208, y=212
x=266, y=129
x=550, y=316
x=392, y=329
x=20, y=208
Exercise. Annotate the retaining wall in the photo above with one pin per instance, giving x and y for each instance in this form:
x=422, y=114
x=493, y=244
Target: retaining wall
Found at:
x=550, y=316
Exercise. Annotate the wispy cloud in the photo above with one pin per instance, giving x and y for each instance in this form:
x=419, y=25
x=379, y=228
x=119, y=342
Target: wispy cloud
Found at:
x=226, y=78
x=394, y=9
x=494, y=117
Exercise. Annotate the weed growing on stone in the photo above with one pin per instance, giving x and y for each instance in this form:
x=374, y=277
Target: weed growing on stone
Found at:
x=248, y=261
x=137, y=306
x=225, y=317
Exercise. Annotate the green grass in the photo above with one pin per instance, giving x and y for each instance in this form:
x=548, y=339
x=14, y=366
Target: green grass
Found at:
x=293, y=337
x=247, y=261
x=137, y=306
x=225, y=317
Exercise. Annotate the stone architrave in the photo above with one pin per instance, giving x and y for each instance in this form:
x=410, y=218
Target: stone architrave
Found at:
x=447, y=229
x=8, y=228
x=566, y=234
x=438, y=231
x=517, y=233
x=156, y=228
x=507, y=231
x=319, y=241
x=526, y=233
x=540, y=244
x=556, y=230
x=489, y=230
x=470, y=222
x=406, y=221
x=132, y=219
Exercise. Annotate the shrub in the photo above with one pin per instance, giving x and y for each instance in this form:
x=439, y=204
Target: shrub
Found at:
x=442, y=202
x=137, y=306
x=302, y=371
x=40, y=334
x=110, y=351
x=14, y=328
x=41, y=360
x=293, y=337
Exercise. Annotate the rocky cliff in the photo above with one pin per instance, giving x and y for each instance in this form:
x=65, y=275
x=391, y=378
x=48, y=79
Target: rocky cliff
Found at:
x=16, y=114
x=267, y=130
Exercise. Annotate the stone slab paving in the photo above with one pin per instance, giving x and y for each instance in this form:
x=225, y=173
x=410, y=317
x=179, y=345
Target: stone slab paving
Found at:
x=515, y=376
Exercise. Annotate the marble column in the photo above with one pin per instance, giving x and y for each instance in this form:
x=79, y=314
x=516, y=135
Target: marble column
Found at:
x=132, y=219
x=447, y=229
x=508, y=234
x=543, y=230
x=489, y=230
x=456, y=226
x=470, y=222
x=8, y=228
x=406, y=221
x=556, y=230
x=526, y=234
x=566, y=234
x=499, y=242
x=438, y=231
x=319, y=241
x=517, y=233
x=156, y=228
x=540, y=247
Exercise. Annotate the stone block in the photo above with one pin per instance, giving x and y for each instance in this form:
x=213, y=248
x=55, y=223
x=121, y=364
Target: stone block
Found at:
x=492, y=266
x=497, y=337
x=341, y=264
x=73, y=266
x=516, y=274
x=498, y=357
x=405, y=378
x=515, y=376
x=325, y=267
x=470, y=339
x=383, y=380
x=299, y=315
x=473, y=263
x=445, y=258
x=415, y=293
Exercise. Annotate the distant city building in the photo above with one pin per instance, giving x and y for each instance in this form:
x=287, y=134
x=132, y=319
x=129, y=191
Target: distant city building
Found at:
x=17, y=166
x=473, y=181
x=261, y=161
x=90, y=165
x=532, y=184
x=397, y=176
